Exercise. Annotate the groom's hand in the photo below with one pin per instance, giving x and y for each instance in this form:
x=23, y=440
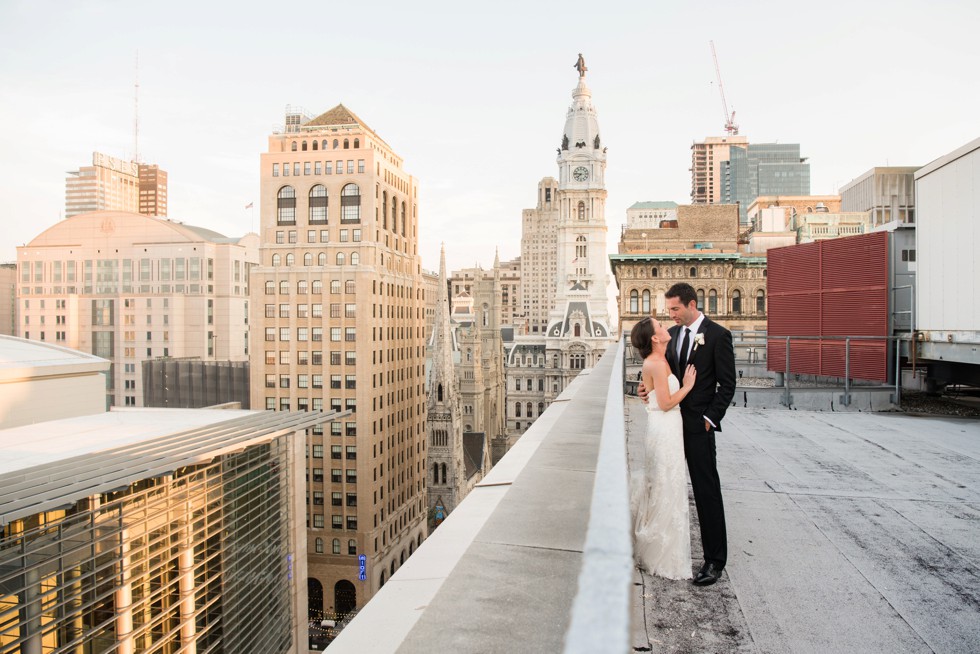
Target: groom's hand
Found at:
x=707, y=425
x=642, y=391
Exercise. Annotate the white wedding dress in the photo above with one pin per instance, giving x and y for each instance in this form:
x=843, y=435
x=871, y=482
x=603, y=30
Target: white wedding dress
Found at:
x=661, y=523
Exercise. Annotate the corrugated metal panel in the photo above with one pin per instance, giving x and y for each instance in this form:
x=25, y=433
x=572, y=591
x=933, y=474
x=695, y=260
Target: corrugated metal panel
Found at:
x=838, y=288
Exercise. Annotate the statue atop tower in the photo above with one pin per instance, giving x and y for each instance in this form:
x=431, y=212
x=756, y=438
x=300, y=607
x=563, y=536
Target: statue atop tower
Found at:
x=580, y=65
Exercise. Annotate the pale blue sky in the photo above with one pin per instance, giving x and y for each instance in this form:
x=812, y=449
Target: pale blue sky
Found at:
x=473, y=96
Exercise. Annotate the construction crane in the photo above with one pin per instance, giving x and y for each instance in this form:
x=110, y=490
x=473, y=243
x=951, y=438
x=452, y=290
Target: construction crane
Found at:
x=730, y=125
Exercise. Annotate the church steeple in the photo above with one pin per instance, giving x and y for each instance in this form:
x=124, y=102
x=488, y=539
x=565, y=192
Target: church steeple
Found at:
x=444, y=382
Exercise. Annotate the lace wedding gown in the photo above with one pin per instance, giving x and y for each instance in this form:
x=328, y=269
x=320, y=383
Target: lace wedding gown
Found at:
x=661, y=524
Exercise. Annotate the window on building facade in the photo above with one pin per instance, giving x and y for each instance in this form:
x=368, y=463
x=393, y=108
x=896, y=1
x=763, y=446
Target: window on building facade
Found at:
x=286, y=206
x=318, y=205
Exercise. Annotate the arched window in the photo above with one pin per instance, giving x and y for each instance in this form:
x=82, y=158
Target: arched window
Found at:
x=276, y=260
x=403, y=218
x=314, y=592
x=654, y=273
x=517, y=409
x=336, y=546
x=319, y=546
x=294, y=146
x=411, y=547
x=384, y=209
x=290, y=259
x=435, y=473
x=303, y=148
x=318, y=205
x=394, y=214
x=646, y=302
x=700, y=299
x=270, y=288
x=578, y=329
x=357, y=143
x=301, y=287
x=352, y=546
x=324, y=145
x=420, y=539
x=344, y=597
x=712, y=302
x=283, y=287
x=634, y=301
x=439, y=393
x=393, y=562
x=581, y=248
x=530, y=409
x=321, y=259
x=443, y=481
x=335, y=142
x=350, y=204
x=347, y=144
x=308, y=259
x=760, y=301
x=401, y=559
x=736, y=303
x=581, y=211
x=540, y=408
x=286, y=206
x=694, y=271
x=317, y=287
x=381, y=581
x=355, y=258
x=340, y=258
x=315, y=144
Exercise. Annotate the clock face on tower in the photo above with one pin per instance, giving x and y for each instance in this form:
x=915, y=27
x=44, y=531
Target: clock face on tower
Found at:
x=580, y=174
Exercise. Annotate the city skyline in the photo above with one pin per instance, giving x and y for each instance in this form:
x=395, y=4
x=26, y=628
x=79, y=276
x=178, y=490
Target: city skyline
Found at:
x=476, y=114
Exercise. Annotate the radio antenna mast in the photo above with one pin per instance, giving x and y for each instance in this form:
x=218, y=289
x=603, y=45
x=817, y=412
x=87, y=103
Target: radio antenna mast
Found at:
x=136, y=112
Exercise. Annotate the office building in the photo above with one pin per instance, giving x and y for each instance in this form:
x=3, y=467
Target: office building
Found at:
x=887, y=192
x=338, y=316
x=763, y=169
x=129, y=288
x=111, y=184
x=144, y=530
x=706, y=159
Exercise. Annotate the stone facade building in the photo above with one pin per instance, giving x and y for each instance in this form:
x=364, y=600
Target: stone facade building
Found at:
x=563, y=257
x=8, y=299
x=701, y=250
x=466, y=418
x=338, y=324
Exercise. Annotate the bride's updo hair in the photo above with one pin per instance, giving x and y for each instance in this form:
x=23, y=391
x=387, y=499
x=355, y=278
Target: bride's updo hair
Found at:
x=640, y=337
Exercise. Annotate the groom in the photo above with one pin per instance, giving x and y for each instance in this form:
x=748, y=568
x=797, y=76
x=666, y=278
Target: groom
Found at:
x=708, y=346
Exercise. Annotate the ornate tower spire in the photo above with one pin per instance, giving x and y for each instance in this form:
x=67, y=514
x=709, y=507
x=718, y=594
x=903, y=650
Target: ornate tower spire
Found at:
x=443, y=371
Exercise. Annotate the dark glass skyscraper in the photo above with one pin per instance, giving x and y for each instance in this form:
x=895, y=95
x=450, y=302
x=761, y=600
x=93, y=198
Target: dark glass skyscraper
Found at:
x=763, y=169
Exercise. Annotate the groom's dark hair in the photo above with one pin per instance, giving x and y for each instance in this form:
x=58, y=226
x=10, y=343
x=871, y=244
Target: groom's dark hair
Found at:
x=684, y=291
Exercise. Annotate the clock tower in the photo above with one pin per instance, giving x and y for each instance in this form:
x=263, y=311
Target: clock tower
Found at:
x=581, y=313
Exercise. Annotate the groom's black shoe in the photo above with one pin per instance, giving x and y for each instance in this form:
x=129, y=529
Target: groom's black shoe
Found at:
x=709, y=574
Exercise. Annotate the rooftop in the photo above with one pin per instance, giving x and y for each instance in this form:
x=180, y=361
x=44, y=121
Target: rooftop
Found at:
x=848, y=531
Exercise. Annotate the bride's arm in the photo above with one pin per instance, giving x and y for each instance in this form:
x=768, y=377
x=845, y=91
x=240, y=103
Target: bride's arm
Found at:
x=659, y=371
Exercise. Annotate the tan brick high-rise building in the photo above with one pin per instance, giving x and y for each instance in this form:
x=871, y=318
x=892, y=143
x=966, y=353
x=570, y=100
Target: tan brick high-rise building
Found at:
x=338, y=315
x=706, y=159
x=111, y=184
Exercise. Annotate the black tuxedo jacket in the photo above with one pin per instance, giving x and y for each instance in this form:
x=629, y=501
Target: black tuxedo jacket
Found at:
x=715, y=386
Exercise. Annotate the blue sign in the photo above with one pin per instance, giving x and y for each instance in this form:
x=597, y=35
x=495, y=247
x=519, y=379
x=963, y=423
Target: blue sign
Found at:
x=362, y=562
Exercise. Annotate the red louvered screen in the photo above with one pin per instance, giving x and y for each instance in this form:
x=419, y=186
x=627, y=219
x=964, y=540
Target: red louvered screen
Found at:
x=835, y=288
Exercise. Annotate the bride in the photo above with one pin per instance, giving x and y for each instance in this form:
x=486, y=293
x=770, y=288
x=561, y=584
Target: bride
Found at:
x=661, y=529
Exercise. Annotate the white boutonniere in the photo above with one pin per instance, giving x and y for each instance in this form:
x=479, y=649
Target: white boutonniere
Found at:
x=698, y=340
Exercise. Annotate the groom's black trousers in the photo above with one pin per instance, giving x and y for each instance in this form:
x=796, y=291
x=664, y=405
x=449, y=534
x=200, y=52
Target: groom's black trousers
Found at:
x=699, y=448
